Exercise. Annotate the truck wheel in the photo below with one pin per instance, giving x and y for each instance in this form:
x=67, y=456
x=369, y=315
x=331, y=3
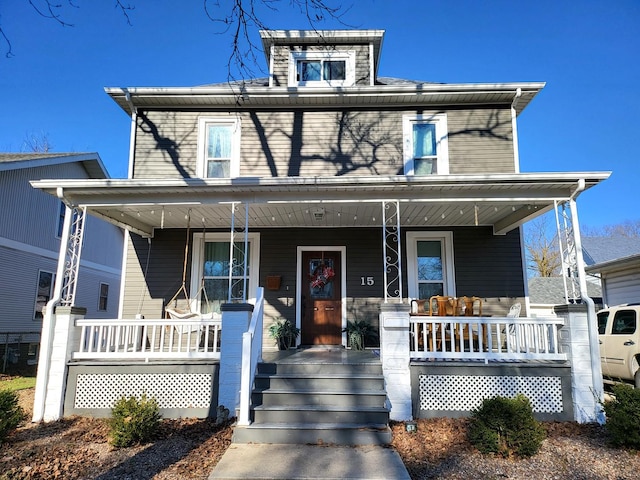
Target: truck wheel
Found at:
x=636, y=379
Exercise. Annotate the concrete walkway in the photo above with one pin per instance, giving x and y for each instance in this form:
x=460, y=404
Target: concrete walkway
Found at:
x=298, y=462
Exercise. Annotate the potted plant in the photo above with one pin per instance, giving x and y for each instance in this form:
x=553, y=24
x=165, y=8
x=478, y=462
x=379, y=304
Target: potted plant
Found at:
x=358, y=331
x=284, y=333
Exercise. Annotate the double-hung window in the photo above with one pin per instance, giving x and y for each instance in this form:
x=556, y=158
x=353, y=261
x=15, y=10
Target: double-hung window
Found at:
x=426, y=149
x=329, y=69
x=219, y=148
x=213, y=270
x=430, y=257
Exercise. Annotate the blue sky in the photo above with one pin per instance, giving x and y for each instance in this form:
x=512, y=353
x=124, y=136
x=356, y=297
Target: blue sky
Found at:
x=586, y=118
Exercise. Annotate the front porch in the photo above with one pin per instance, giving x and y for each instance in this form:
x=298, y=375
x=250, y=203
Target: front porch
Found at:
x=179, y=363
x=394, y=236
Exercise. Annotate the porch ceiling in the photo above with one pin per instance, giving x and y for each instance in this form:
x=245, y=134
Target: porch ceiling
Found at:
x=503, y=201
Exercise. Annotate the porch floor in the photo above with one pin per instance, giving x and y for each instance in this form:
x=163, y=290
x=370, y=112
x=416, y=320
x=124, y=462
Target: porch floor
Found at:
x=322, y=355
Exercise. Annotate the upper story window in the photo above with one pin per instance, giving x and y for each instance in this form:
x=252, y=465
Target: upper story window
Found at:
x=426, y=149
x=322, y=69
x=219, y=148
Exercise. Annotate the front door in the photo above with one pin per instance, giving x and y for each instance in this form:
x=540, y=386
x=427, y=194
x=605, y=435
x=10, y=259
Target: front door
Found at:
x=321, y=298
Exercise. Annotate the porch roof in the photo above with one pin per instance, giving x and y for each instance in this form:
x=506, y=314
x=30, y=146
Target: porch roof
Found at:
x=503, y=201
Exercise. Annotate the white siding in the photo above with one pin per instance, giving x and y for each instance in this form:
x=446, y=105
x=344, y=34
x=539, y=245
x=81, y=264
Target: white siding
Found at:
x=621, y=287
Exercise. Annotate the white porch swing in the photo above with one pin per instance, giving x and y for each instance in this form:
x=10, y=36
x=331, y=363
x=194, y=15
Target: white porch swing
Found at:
x=175, y=313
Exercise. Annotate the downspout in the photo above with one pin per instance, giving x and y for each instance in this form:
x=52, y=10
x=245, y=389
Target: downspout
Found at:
x=596, y=368
x=132, y=135
x=514, y=128
x=46, y=337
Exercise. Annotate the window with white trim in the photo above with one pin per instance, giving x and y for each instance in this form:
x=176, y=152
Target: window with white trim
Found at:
x=218, y=148
x=430, y=260
x=322, y=69
x=44, y=293
x=211, y=270
x=426, y=148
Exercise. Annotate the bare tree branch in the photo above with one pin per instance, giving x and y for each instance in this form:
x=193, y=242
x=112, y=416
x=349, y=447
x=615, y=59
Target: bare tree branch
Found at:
x=37, y=143
x=125, y=9
x=9, y=52
x=543, y=253
x=51, y=10
x=243, y=18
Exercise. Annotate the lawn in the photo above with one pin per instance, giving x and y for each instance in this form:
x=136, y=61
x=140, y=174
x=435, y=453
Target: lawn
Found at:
x=16, y=383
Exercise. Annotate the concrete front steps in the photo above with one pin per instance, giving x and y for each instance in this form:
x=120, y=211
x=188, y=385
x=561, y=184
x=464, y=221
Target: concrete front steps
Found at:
x=318, y=403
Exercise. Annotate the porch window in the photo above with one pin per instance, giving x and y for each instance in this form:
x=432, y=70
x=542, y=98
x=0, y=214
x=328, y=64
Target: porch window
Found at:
x=329, y=69
x=425, y=145
x=430, y=260
x=219, y=148
x=103, y=297
x=43, y=293
x=212, y=266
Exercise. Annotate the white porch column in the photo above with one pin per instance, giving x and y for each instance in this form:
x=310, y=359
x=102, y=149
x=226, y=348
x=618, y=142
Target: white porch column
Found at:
x=65, y=338
x=574, y=340
x=395, y=356
x=235, y=321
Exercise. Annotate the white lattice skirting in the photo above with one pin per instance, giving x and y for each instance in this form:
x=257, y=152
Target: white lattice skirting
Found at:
x=466, y=392
x=171, y=390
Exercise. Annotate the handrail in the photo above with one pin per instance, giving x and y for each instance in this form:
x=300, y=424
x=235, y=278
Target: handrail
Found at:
x=145, y=339
x=485, y=338
x=251, y=356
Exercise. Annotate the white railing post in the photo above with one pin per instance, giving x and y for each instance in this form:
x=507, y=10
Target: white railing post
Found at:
x=575, y=340
x=235, y=321
x=65, y=337
x=251, y=356
x=395, y=356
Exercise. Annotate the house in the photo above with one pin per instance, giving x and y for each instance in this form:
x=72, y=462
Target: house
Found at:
x=321, y=194
x=615, y=261
x=31, y=224
x=547, y=292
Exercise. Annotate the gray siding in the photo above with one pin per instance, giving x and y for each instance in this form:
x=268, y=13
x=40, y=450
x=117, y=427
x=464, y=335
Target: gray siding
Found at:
x=18, y=289
x=281, y=61
x=31, y=217
x=147, y=295
x=322, y=142
x=28, y=243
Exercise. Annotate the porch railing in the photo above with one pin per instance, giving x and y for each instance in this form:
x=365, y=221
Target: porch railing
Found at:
x=146, y=339
x=251, y=356
x=485, y=338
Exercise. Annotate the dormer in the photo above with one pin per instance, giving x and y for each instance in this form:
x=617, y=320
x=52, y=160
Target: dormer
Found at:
x=322, y=58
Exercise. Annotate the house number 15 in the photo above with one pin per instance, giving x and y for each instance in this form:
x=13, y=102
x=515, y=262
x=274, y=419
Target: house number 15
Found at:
x=367, y=281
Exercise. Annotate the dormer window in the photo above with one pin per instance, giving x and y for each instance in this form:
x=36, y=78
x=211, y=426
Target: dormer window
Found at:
x=322, y=69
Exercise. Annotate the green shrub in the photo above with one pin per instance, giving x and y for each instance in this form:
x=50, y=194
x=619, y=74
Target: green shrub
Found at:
x=133, y=421
x=11, y=414
x=623, y=416
x=506, y=426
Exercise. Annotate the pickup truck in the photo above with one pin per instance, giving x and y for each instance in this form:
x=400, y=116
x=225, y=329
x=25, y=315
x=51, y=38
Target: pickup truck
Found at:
x=619, y=335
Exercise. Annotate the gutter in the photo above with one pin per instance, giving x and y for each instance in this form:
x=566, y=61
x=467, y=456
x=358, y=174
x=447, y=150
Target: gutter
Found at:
x=514, y=128
x=132, y=135
x=592, y=321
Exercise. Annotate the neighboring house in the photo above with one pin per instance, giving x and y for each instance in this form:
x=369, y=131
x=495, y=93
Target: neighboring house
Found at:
x=616, y=261
x=547, y=292
x=321, y=194
x=31, y=225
